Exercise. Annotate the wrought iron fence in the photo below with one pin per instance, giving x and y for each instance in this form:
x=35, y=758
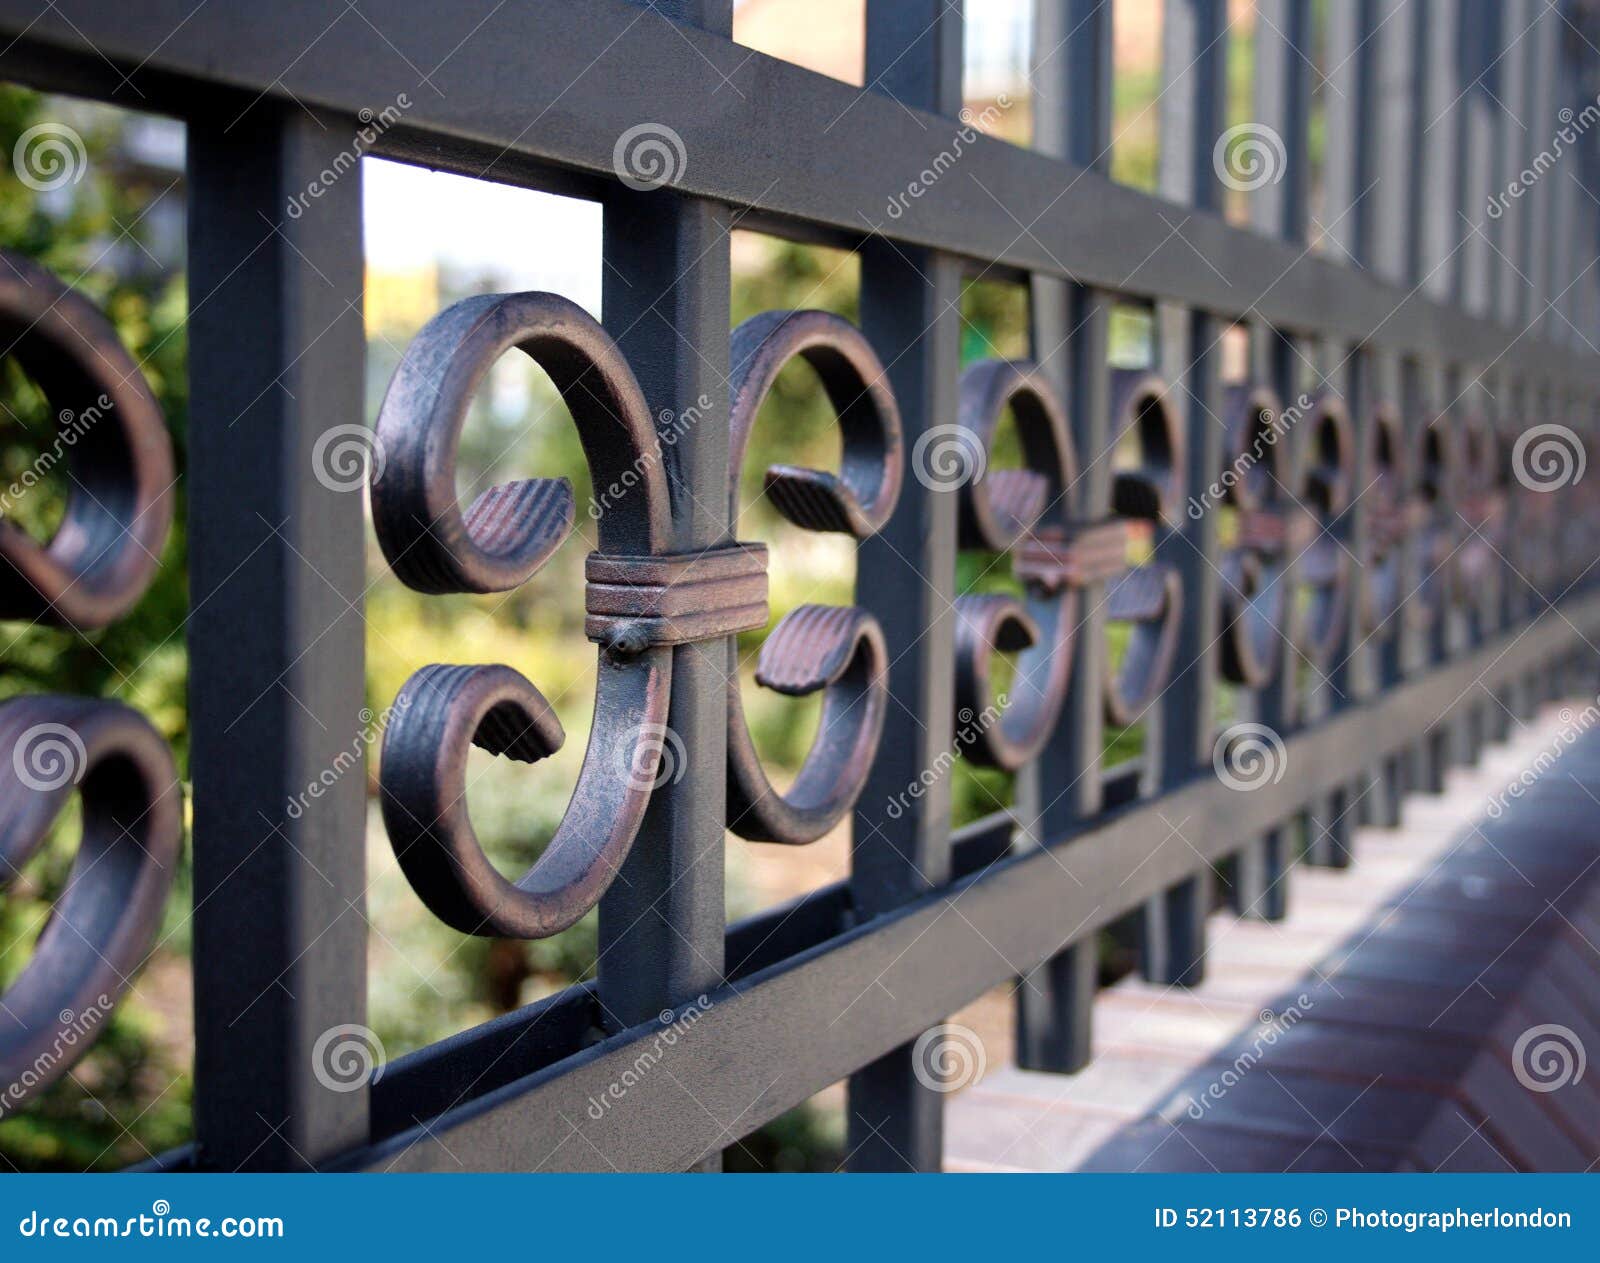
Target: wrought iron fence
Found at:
x=1379, y=536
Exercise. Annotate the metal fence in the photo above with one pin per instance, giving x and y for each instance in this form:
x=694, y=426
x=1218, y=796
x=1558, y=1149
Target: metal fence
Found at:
x=1379, y=537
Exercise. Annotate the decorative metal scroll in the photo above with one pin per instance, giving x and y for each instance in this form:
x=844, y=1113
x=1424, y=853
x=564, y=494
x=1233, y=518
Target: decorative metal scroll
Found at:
x=1026, y=514
x=99, y=563
x=119, y=503
x=1148, y=598
x=640, y=602
x=1324, y=566
x=1576, y=503
x=104, y=921
x=1435, y=527
x=838, y=650
x=1272, y=530
x=1540, y=547
x=1482, y=508
x=1391, y=516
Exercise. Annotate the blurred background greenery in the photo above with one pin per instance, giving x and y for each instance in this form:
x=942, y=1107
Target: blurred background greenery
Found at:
x=117, y=235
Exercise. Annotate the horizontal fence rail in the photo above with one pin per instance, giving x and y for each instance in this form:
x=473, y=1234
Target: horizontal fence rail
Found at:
x=1370, y=538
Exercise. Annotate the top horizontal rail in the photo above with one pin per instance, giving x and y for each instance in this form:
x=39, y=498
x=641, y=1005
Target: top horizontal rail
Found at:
x=558, y=81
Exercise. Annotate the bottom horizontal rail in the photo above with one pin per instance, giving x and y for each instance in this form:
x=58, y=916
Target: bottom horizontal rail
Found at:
x=663, y=1096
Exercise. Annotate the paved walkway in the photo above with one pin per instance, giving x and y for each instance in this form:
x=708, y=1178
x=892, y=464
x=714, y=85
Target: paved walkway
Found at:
x=1432, y=1007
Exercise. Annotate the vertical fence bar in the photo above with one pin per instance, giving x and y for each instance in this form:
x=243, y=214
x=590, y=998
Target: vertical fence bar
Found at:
x=1519, y=402
x=1458, y=737
x=1562, y=193
x=1580, y=282
x=1350, y=210
x=1442, y=744
x=276, y=634
x=1376, y=793
x=1474, y=223
x=1546, y=88
x=1477, y=149
x=910, y=311
x=1279, y=208
x=1519, y=600
x=1347, y=201
x=1439, y=163
x=1512, y=139
x=1394, y=57
x=666, y=300
x=1517, y=597
x=1525, y=82
x=1194, y=64
x=1495, y=90
x=1398, y=238
x=1385, y=384
x=1372, y=201
x=1071, y=327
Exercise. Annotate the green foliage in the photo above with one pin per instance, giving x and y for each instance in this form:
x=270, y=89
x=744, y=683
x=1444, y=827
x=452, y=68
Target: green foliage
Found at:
x=130, y=1096
x=809, y=1139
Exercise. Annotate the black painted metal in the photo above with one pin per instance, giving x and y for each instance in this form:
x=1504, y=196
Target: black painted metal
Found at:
x=665, y=298
x=276, y=635
x=1194, y=57
x=119, y=508
x=1432, y=573
x=1071, y=81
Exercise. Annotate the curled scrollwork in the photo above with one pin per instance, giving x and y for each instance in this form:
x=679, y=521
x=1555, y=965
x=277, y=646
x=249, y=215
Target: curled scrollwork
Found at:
x=837, y=650
x=1482, y=508
x=1536, y=565
x=105, y=919
x=510, y=530
x=1435, y=526
x=1391, y=517
x=1324, y=565
x=1578, y=539
x=640, y=602
x=1148, y=599
x=119, y=503
x=1026, y=514
x=1272, y=530
x=100, y=561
